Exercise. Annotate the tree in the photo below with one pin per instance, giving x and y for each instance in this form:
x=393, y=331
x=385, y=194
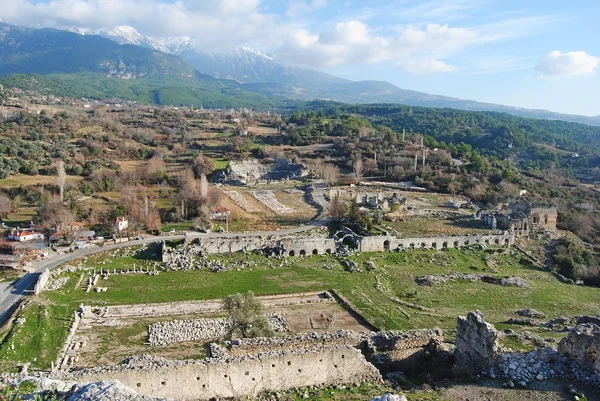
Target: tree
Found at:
x=62, y=176
x=331, y=174
x=358, y=168
x=5, y=206
x=246, y=313
x=337, y=209
x=203, y=165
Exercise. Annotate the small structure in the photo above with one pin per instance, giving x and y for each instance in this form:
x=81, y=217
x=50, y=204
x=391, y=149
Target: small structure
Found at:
x=121, y=224
x=17, y=234
x=221, y=213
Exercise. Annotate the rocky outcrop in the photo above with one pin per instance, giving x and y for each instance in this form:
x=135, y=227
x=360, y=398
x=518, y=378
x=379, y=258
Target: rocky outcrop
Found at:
x=477, y=344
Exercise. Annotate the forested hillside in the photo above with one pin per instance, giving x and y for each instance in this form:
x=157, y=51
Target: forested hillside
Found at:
x=201, y=91
x=495, y=134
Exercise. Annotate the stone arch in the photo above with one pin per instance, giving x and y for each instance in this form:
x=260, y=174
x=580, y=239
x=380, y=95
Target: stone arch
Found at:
x=466, y=243
x=507, y=241
x=434, y=245
x=315, y=252
x=327, y=250
x=456, y=244
x=302, y=252
x=487, y=241
x=445, y=244
x=545, y=219
x=536, y=219
x=412, y=246
x=423, y=245
x=386, y=245
x=497, y=241
x=292, y=253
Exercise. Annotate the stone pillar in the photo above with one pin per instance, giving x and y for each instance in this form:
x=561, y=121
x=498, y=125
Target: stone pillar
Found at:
x=477, y=345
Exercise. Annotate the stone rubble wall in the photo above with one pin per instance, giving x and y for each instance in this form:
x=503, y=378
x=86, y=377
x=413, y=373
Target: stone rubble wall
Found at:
x=163, y=333
x=387, y=242
x=477, y=344
x=41, y=282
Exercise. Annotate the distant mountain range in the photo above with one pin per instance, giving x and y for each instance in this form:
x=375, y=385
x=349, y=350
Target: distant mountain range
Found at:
x=124, y=53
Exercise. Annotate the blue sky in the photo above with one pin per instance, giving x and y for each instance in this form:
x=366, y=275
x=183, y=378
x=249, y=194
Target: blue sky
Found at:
x=534, y=54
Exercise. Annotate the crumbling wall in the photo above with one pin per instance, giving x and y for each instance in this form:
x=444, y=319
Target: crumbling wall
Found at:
x=238, y=377
x=387, y=242
x=582, y=345
x=41, y=282
x=477, y=344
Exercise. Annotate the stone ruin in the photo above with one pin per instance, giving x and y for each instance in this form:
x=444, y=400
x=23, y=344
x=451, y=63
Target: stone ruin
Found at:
x=477, y=344
x=251, y=172
x=247, y=367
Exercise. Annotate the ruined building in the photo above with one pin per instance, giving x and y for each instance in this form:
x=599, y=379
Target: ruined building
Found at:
x=522, y=218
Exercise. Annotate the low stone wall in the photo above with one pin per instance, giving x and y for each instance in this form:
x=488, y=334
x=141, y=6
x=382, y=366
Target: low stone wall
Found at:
x=389, y=243
x=237, y=377
x=163, y=333
x=477, y=344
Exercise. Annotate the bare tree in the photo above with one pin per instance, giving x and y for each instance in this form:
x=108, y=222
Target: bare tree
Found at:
x=331, y=174
x=203, y=186
x=62, y=177
x=358, y=168
x=337, y=209
x=5, y=206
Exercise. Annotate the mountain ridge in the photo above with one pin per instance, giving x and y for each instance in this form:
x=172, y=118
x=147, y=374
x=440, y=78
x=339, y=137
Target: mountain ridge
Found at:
x=252, y=69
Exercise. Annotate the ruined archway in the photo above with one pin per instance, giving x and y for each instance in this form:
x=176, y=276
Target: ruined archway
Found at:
x=445, y=245
x=386, y=245
x=303, y=253
x=292, y=253
x=315, y=252
x=456, y=244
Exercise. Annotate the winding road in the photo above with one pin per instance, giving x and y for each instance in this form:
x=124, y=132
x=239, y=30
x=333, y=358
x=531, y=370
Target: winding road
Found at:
x=12, y=293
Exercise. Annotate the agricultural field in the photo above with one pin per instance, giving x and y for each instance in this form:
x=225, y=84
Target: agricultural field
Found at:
x=40, y=328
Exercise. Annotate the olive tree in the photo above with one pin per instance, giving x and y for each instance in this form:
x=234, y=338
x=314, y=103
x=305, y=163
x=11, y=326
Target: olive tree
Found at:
x=248, y=319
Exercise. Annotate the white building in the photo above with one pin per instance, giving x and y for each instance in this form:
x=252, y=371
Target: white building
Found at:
x=17, y=234
x=121, y=224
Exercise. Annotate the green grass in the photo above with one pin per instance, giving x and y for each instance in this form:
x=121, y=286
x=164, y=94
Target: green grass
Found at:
x=183, y=226
x=369, y=291
x=221, y=163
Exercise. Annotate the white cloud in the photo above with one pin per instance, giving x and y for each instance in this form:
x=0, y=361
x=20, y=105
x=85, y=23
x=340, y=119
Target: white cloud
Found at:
x=218, y=25
x=570, y=64
x=426, y=66
x=416, y=48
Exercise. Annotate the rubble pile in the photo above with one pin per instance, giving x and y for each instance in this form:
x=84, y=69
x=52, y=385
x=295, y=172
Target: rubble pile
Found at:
x=431, y=280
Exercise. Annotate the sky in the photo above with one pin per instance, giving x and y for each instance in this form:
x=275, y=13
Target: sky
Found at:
x=540, y=54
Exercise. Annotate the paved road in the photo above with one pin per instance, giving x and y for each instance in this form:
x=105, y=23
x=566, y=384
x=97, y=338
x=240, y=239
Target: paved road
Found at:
x=10, y=294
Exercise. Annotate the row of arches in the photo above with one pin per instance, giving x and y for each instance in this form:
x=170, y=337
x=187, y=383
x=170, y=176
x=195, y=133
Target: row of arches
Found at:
x=303, y=252
x=387, y=245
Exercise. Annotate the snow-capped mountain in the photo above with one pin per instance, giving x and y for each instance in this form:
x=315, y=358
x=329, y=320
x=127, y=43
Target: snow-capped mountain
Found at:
x=243, y=64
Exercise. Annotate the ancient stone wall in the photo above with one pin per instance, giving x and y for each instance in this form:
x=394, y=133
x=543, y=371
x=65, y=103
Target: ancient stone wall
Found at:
x=582, y=344
x=288, y=245
x=41, y=282
x=390, y=243
x=307, y=246
x=477, y=344
x=238, y=377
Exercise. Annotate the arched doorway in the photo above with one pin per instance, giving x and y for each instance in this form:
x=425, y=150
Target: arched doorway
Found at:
x=386, y=245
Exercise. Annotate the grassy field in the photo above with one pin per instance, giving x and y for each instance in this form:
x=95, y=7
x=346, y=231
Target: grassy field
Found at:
x=40, y=336
x=415, y=226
